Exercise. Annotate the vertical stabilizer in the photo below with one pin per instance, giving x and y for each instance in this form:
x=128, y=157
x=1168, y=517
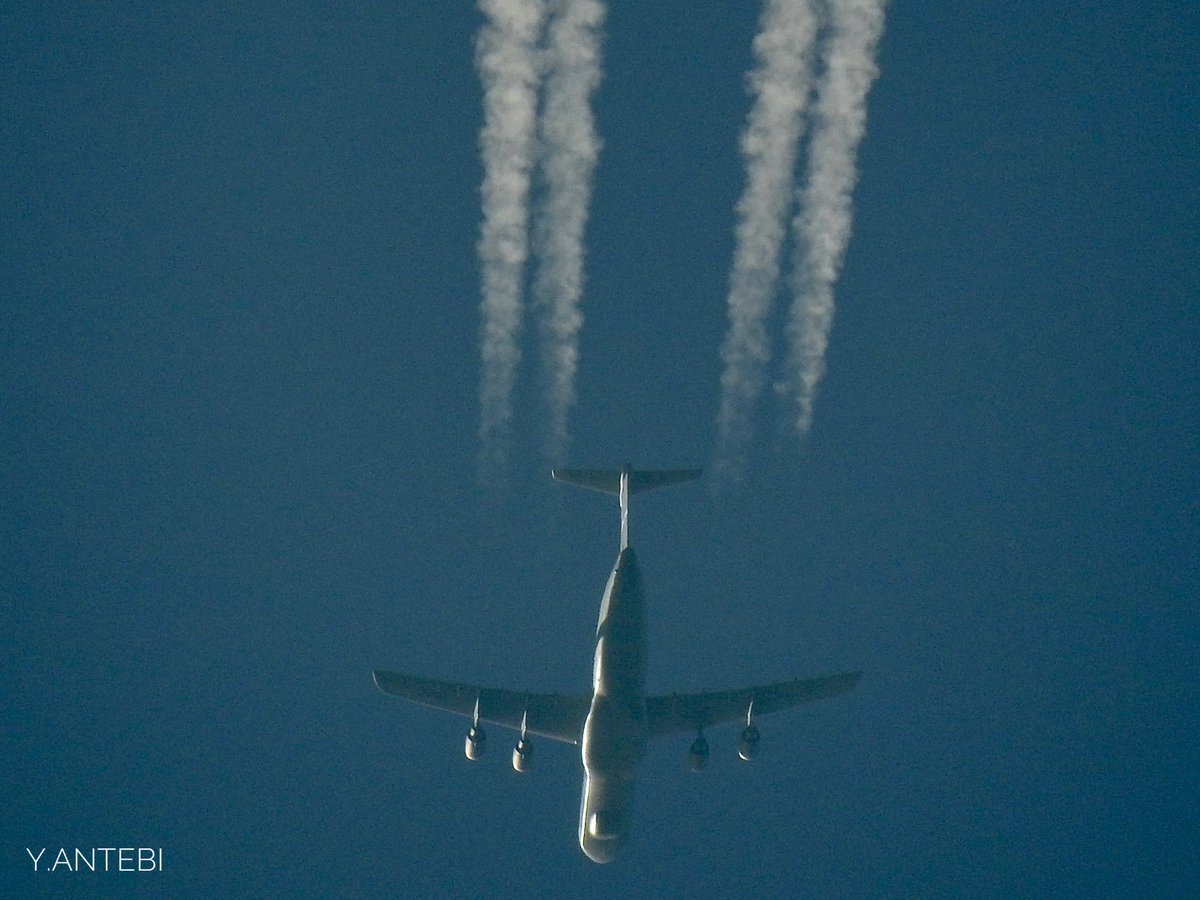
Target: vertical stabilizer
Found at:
x=623, y=482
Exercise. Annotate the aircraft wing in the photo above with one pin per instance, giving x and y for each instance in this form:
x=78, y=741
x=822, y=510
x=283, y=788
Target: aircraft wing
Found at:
x=673, y=713
x=554, y=716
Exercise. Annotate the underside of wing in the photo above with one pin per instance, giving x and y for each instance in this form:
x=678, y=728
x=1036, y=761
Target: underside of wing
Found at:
x=674, y=713
x=554, y=716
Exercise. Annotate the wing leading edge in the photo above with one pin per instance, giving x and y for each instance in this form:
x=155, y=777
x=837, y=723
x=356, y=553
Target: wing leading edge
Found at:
x=555, y=716
x=674, y=713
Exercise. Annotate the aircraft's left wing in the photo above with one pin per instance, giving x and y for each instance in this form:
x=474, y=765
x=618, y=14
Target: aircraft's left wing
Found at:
x=554, y=716
x=673, y=713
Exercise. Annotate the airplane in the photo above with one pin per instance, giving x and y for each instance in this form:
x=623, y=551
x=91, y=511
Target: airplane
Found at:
x=613, y=724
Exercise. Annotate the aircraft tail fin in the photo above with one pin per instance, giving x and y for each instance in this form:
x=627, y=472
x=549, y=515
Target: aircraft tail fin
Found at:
x=623, y=482
x=609, y=480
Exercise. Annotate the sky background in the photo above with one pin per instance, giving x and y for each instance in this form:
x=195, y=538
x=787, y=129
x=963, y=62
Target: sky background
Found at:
x=239, y=395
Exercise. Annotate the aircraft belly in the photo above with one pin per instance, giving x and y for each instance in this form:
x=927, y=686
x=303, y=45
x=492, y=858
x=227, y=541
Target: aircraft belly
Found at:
x=620, y=657
x=614, y=736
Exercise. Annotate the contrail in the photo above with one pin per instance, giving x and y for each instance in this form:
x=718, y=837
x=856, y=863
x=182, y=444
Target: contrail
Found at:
x=568, y=153
x=780, y=85
x=508, y=67
x=823, y=222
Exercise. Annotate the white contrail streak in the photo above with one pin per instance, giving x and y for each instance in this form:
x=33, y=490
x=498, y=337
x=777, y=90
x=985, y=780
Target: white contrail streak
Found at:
x=508, y=67
x=569, y=150
x=780, y=85
x=823, y=222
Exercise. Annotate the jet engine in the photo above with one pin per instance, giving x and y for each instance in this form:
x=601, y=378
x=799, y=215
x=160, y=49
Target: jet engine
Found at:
x=523, y=752
x=476, y=743
x=523, y=755
x=698, y=754
x=750, y=738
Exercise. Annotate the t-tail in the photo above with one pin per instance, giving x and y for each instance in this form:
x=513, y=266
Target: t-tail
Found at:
x=623, y=482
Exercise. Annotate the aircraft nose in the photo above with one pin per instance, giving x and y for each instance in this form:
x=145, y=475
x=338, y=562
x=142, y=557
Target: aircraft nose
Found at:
x=604, y=835
x=601, y=850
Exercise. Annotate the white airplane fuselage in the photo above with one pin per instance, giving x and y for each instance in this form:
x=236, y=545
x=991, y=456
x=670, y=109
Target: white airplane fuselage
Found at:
x=613, y=724
x=614, y=733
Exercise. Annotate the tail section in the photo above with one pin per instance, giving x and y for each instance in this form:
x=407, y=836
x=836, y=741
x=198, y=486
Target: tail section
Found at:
x=623, y=482
x=609, y=480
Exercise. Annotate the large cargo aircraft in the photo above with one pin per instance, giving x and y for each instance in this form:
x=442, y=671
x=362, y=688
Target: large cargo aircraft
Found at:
x=613, y=724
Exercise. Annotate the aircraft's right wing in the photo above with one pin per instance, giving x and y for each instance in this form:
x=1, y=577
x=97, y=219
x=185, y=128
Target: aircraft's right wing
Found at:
x=554, y=716
x=674, y=713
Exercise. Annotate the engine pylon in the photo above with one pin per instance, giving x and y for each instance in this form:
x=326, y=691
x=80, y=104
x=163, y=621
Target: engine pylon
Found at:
x=522, y=757
x=476, y=741
x=750, y=736
x=698, y=753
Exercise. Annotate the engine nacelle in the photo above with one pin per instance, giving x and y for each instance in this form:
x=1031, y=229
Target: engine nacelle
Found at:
x=750, y=739
x=523, y=755
x=698, y=754
x=476, y=743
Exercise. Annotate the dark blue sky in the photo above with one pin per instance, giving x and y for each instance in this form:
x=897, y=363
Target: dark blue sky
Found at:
x=240, y=372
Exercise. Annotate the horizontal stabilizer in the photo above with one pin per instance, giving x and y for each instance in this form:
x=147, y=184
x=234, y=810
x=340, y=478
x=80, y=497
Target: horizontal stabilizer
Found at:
x=609, y=480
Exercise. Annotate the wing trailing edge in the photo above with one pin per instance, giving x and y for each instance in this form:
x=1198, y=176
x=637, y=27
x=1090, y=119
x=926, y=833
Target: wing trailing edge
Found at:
x=669, y=714
x=555, y=716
